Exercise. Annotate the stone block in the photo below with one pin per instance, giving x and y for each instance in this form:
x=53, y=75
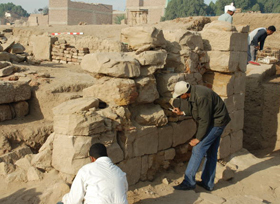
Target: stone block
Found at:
x=113, y=91
x=210, y=198
x=144, y=167
x=239, y=83
x=215, y=40
x=20, y=109
x=132, y=168
x=41, y=46
x=236, y=143
x=237, y=120
x=166, y=83
x=34, y=174
x=147, y=89
x=229, y=103
x=242, y=28
x=54, y=193
x=238, y=101
x=70, y=153
x=4, y=64
x=5, y=146
x=112, y=64
x=4, y=56
x=221, y=26
x=6, y=168
x=6, y=71
x=150, y=114
x=169, y=154
x=152, y=57
x=16, y=176
x=165, y=137
x=43, y=160
x=17, y=49
x=137, y=37
x=145, y=141
x=227, y=62
x=115, y=152
x=14, y=92
x=17, y=154
x=224, y=172
x=183, y=131
x=5, y=113
x=186, y=39
x=224, y=149
x=23, y=163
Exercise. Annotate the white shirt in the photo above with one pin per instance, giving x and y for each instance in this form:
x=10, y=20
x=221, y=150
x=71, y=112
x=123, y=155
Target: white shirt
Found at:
x=100, y=182
x=225, y=17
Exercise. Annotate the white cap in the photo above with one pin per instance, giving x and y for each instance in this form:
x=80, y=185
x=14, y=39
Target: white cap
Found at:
x=231, y=8
x=180, y=88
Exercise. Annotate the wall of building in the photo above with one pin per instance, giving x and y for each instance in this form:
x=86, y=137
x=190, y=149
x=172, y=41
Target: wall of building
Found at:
x=38, y=19
x=66, y=12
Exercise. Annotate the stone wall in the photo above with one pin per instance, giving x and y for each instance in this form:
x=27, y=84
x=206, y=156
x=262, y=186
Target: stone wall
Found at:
x=127, y=107
x=66, y=12
x=38, y=19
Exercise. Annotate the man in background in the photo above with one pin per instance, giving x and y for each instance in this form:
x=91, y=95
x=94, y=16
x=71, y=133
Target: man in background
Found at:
x=227, y=17
x=98, y=182
x=256, y=41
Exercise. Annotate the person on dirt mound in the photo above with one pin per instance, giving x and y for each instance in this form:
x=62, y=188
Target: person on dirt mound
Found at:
x=211, y=115
x=227, y=17
x=256, y=40
x=101, y=181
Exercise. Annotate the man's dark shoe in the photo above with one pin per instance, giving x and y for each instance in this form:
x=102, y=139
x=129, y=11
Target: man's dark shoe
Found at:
x=199, y=183
x=183, y=187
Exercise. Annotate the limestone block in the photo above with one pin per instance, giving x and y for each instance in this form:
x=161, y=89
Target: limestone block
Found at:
x=225, y=41
x=227, y=61
x=187, y=39
x=242, y=28
x=23, y=163
x=21, y=109
x=149, y=70
x=70, y=153
x=222, y=84
x=224, y=149
x=5, y=113
x=145, y=141
x=229, y=103
x=237, y=120
x=14, y=92
x=147, y=89
x=150, y=114
x=210, y=198
x=137, y=37
x=169, y=154
x=115, y=152
x=79, y=124
x=239, y=83
x=43, y=159
x=132, y=168
x=238, y=101
x=17, y=48
x=219, y=26
x=165, y=137
x=224, y=172
x=4, y=56
x=76, y=105
x=183, y=131
x=8, y=44
x=157, y=57
x=48, y=143
x=17, y=154
x=4, y=64
x=236, y=142
x=54, y=193
x=112, y=64
x=6, y=71
x=113, y=91
x=34, y=174
x=41, y=46
x=166, y=83
x=144, y=167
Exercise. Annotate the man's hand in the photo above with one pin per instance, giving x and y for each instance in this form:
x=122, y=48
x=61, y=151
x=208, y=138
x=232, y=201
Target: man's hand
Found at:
x=257, y=47
x=194, y=142
x=177, y=111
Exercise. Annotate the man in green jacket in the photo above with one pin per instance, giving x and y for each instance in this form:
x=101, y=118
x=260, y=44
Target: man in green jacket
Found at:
x=209, y=111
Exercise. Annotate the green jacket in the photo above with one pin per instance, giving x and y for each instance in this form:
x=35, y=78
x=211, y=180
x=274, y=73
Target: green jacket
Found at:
x=206, y=107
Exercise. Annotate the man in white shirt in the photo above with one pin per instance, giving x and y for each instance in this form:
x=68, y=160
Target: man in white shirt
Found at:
x=227, y=17
x=100, y=182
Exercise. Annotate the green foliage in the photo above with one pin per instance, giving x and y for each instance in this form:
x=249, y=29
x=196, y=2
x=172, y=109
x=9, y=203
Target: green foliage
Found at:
x=184, y=8
x=13, y=9
x=118, y=19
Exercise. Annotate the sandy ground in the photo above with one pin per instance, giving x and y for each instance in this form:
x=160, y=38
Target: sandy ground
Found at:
x=257, y=180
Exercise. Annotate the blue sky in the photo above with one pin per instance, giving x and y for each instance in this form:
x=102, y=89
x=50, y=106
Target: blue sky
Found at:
x=31, y=5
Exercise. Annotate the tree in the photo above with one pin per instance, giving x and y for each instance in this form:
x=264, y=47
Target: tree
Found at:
x=211, y=9
x=256, y=7
x=118, y=19
x=185, y=8
x=13, y=9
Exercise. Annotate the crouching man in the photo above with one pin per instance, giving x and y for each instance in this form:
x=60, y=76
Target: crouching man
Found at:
x=100, y=182
x=209, y=111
